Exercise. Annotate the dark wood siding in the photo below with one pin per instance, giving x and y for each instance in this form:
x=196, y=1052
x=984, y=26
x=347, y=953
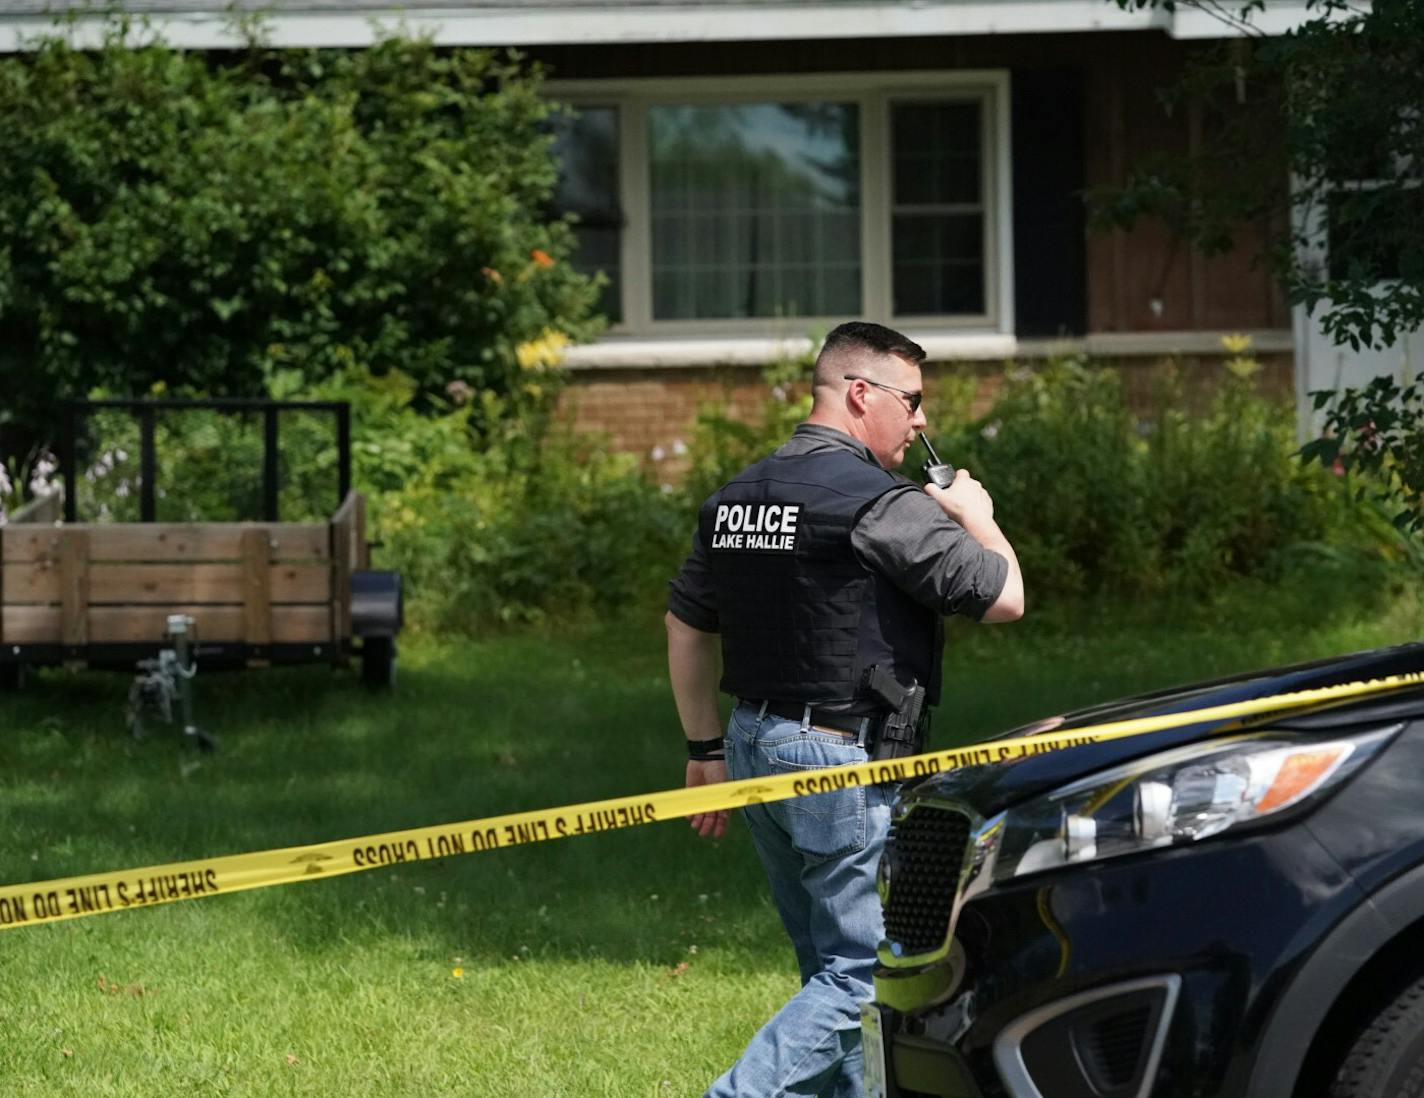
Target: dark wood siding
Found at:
x=1147, y=279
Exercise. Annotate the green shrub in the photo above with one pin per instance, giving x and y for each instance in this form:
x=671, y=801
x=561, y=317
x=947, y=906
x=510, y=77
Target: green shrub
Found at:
x=1101, y=502
x=1375, y=434
x=515, y=525
x=171, y=219
x=576, y=532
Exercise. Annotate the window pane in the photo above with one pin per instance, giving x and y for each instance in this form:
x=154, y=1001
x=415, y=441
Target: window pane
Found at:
x=938, y=264
x=672, y=292
x=755, y=210
x=937, y=150
x=937, y=215
x=586, y=145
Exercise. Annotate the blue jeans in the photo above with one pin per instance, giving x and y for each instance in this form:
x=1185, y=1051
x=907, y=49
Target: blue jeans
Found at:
x=820, y=854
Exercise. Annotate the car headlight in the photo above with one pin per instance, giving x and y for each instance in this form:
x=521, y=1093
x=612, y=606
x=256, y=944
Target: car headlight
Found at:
x=1173, y=798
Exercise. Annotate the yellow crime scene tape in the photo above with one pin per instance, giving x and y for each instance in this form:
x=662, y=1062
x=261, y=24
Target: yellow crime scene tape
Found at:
x=124, y=890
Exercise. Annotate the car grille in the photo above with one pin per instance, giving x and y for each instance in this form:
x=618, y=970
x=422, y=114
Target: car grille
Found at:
x=926, y=852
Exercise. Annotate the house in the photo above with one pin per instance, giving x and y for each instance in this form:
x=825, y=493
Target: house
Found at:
x=749, y=173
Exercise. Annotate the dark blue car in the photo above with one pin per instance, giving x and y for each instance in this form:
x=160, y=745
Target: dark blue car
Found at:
x=1218, y=909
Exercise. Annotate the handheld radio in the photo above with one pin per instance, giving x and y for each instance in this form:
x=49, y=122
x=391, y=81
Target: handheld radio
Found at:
x=939, y=473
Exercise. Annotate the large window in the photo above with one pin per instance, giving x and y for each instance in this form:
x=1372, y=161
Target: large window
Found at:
x=755, y=210
x=723, y=206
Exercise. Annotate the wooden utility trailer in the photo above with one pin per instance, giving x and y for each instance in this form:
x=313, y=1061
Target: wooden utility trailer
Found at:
x=259, y=593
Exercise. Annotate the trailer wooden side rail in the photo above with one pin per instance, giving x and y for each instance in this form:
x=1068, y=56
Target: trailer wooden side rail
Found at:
x=100, y=594
x=253, y=584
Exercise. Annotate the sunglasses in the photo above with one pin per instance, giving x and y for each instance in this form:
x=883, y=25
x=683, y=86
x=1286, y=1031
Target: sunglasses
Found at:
x=912, y=399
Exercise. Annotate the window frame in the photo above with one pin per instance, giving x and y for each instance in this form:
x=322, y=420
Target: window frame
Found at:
x=875, y=93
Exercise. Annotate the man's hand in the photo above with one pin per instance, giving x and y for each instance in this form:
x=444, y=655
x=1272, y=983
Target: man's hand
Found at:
x=692, y=668
x=707, y=772
x=965, y=501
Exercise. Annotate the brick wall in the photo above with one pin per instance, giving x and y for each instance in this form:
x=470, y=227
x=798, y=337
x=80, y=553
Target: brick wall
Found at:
x=651, y=411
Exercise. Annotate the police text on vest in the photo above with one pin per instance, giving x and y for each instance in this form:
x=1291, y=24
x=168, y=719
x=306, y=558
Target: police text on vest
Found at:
x=756, y=526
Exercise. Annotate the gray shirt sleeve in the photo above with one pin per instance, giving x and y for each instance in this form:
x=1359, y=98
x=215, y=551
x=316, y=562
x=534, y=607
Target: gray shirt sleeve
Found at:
x=933, y=559
x=692, y=595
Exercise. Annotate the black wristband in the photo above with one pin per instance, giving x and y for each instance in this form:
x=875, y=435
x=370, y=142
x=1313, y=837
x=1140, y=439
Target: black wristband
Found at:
x=706, y=750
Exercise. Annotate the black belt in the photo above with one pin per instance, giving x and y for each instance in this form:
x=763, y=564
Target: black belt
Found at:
x=824, y=718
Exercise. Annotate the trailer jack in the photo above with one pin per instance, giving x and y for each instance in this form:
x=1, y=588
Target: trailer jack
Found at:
x=168, y=679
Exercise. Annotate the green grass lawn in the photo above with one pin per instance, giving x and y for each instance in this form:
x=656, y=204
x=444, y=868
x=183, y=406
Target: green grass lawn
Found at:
x=631, y=963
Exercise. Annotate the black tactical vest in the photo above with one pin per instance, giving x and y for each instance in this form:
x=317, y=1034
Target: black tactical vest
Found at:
x=801, y=616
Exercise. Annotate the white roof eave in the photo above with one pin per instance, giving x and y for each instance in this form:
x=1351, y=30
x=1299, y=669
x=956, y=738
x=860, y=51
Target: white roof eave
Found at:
x=516, y=25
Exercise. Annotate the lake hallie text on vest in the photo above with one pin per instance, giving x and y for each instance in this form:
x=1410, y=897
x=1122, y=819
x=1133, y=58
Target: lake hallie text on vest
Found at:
x=756, y=527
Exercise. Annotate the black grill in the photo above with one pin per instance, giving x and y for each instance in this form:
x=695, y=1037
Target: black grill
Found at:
x=1102, y=1046
x=926, y=852
x=1116, y=1045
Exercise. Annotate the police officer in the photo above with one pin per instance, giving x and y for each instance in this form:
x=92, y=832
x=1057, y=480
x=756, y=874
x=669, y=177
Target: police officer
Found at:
x=808, y=570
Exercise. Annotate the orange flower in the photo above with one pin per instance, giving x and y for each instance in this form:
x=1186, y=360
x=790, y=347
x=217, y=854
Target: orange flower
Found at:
x=542, y=258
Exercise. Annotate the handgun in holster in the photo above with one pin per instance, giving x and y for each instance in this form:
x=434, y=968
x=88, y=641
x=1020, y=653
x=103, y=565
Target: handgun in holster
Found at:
x=905, y=725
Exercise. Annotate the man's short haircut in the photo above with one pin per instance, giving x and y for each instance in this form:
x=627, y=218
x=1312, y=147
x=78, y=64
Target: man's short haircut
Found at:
x=859, y=336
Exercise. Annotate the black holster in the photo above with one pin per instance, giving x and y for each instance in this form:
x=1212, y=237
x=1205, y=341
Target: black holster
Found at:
x=895, y=738
x=904, y=727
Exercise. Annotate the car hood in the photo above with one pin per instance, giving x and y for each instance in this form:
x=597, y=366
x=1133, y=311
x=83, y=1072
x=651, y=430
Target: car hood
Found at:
x=992, y=788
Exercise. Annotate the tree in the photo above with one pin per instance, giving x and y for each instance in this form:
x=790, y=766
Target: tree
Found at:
x=1376, y=431
x=215, y=222
x=1319, y=128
